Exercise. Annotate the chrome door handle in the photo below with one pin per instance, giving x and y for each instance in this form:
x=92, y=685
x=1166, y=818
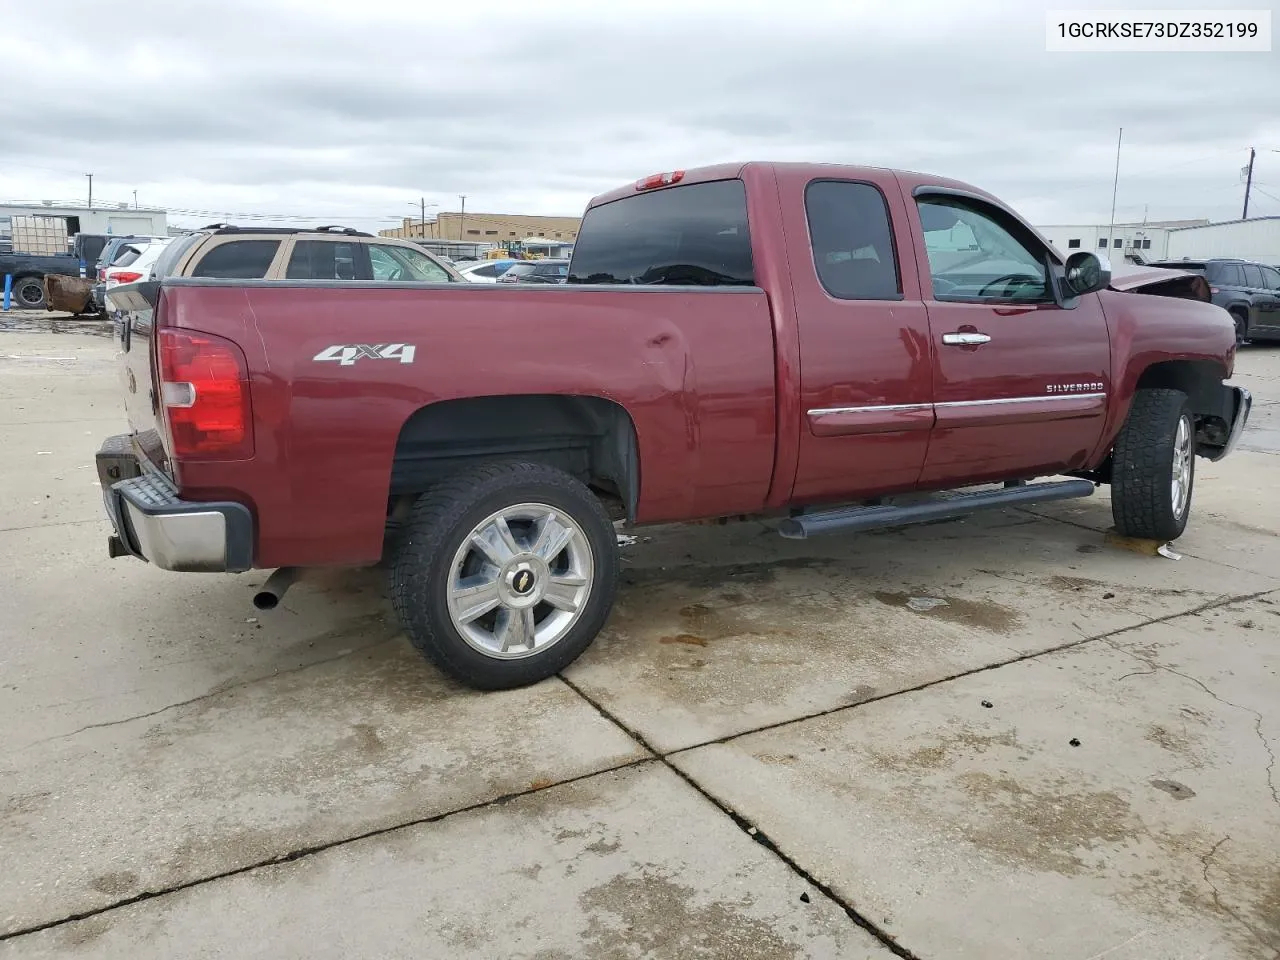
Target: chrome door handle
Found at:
x=965, y=339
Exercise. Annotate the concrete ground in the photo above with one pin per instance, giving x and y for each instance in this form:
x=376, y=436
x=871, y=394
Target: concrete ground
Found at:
x=775, y=750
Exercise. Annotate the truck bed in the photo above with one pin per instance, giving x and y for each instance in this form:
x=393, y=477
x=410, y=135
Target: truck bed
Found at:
x=332, y=387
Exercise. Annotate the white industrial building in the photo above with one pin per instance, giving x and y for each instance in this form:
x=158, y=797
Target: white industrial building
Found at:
x=1257, y=238
x=111, y=219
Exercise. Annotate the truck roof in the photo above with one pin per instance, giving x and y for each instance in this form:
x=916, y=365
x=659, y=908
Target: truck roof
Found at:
x=807, y=171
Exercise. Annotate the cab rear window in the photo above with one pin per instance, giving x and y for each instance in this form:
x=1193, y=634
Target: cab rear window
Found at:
x=694, y=235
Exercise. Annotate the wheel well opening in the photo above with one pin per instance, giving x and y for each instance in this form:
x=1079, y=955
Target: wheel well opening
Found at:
x=1200, y=380
x=590, y=438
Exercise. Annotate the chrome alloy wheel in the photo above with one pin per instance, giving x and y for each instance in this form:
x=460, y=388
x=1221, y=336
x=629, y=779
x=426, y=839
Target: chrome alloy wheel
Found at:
x=1183, y=454
x=519, y=581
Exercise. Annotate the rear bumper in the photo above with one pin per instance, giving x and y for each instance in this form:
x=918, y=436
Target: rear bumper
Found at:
x=153, y=523
x=1241, y=404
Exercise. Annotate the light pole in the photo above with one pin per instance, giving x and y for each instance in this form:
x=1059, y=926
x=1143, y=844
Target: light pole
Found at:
x=90, y=176
x=422, y=208
x=1115, y=185
x=135, y=199
x=462, y=224
x=1248, y=184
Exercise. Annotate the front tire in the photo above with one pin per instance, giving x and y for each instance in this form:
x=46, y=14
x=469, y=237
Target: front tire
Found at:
x=505, y=573
x=1153, y=466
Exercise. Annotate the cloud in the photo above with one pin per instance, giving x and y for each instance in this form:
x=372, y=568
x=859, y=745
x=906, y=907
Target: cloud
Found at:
x=351, y=112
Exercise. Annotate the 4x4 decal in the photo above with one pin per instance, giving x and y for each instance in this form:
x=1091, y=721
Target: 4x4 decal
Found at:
x=348, y=353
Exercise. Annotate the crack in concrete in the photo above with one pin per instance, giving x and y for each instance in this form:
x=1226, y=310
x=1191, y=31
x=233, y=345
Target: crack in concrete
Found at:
x=1194, y=556
x=995, y=665
x=885, y=938
x=217, y=691
x=58, y=523
x=1222, y=907
x=1257, y=717
x=303, y=852
x=882, y=936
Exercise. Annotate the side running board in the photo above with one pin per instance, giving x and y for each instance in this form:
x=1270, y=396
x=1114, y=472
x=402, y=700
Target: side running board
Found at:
x=955, y=505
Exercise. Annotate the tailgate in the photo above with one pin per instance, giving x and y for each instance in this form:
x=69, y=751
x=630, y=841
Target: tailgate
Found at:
x=135, y=311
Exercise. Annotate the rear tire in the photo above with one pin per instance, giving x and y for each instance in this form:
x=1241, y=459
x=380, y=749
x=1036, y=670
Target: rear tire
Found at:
x=527, y=545
x=28, y=293
x=1242, y=327
x=1153, y=466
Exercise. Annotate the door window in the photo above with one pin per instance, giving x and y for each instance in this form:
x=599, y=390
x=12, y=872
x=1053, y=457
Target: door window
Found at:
x=127, y=255
x=974, y=257
x=1270, y=278
x=1229, y=275
x=238, y=260
x=322, y=260
x=552, y=271
x=852, y=241
x=1252, y=276
x=405, y=263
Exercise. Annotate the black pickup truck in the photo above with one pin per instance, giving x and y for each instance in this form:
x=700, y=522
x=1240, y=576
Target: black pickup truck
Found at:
x=28, y=271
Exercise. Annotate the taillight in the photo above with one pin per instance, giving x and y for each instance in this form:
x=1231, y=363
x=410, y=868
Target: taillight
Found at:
x=126, y=276
x=660, y=180
x=102, y=274
x=204, y=387
x=1213, y=289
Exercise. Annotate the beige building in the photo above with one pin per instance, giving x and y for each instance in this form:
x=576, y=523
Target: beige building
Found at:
x=496, y=228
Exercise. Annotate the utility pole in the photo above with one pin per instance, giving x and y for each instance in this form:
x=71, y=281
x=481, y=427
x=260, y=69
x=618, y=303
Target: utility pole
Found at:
x=1115, y=185
x=462, y=226
x=1248, y=184
x=90, y=176
x=424, y=218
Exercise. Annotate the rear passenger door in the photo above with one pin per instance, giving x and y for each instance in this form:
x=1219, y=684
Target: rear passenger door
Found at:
x=324, y=259
x=1261, y=300
x=865, y=382
x=1270, y=309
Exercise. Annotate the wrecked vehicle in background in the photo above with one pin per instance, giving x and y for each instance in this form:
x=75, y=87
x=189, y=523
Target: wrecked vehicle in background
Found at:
x=68, y=294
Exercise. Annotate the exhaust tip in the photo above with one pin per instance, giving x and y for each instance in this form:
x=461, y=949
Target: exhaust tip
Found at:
x=273, y=589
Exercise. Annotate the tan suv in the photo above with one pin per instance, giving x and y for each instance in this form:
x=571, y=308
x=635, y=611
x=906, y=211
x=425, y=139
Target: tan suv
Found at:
x=220, y=251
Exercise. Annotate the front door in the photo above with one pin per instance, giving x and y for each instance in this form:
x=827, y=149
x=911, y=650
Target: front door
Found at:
x=865, y=384
x=1020, y=381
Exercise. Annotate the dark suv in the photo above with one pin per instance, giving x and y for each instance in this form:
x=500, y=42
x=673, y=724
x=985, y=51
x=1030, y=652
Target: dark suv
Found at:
x=1249, y=291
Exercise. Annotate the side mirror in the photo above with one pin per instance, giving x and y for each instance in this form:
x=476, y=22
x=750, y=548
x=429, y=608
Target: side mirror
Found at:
x=1086, y=272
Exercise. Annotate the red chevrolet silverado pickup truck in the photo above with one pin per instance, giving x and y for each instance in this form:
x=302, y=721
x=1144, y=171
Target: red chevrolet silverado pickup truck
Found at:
x=789, y=340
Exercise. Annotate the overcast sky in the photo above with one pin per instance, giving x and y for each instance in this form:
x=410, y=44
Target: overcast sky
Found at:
x=350, y=111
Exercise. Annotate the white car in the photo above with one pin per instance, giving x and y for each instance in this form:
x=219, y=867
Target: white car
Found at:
x=134, y=262
x=485, y=271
